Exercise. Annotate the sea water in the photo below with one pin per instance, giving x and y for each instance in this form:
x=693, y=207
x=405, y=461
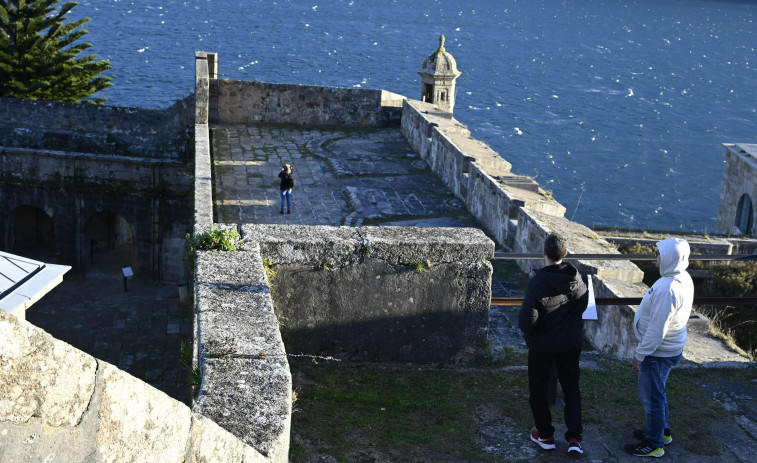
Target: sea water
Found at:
x=620, y=108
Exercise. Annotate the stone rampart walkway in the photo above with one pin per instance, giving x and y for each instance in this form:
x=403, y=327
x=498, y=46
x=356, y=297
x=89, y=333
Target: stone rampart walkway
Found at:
x=352, y=178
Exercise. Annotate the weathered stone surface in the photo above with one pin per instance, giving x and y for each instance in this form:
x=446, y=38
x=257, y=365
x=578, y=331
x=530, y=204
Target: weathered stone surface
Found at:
x=242, y=102
x=230, y=268
x=305, y=244
x=409, y=245
x=238, y=323
x=42, y=376
x=434, y=286
x=252, y=399
x=533, y=228
x=738, y=179
x=381, y=312
x=213, y=444
x=137, y=422
x=612, y=332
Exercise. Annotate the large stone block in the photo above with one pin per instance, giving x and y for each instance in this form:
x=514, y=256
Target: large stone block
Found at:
x=379, y=293
x=238, y=323
x=138, y=422
x=211, y=443
x=42, y=376
x=252, y=399
x=306, y=244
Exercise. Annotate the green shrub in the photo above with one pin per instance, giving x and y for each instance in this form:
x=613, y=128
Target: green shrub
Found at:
x=222, y=240
x=215, y=239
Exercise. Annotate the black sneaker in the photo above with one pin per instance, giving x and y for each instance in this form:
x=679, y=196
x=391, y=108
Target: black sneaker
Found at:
x=547, y=443
x=666, y=437
x=574, y=448
x=645, y=449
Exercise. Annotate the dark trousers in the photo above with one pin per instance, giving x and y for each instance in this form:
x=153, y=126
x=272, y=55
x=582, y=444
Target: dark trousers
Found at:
x=539, y=364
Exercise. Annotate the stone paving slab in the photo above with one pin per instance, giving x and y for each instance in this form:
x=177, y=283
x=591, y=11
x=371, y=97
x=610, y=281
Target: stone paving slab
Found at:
x=353, y=178
x=140, y=330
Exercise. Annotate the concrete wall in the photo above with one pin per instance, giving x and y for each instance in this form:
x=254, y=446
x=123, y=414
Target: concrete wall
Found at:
x=357, y=293
x=740, y=177
x=241, y=102
x=60, y=405
x=112, y=130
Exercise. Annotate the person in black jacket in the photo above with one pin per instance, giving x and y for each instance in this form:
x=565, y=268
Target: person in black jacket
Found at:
x=285, y=190
x=551, y=319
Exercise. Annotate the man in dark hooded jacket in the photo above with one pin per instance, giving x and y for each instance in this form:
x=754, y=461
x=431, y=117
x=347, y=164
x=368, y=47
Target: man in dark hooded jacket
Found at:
x=551, y=319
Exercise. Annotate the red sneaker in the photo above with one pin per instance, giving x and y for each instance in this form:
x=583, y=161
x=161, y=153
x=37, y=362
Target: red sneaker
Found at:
x=574, y=447
x=547, y=443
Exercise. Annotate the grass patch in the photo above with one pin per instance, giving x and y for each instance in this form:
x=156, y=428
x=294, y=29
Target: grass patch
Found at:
x=416, y=414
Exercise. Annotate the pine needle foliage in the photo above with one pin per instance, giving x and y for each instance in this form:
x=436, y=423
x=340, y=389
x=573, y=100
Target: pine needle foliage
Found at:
x=38, y=54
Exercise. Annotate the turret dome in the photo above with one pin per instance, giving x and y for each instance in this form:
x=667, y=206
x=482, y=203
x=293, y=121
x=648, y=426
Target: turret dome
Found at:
x=440, y=63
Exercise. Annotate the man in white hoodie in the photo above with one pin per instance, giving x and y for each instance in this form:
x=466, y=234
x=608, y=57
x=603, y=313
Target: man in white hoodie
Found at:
x=660, y=326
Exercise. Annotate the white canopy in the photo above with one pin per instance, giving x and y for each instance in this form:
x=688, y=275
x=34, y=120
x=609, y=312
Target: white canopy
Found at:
x=24, y=281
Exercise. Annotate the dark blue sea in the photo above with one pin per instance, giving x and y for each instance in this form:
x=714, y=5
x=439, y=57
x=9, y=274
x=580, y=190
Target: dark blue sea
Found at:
x=619, y=107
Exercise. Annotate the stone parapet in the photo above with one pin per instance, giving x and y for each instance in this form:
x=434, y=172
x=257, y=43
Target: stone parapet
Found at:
x=474, y=172
x=533, y=228
x=244, y=102
x=703, y=246
x=203, y=180
x=246, y=384
x=612, y=332
x=399, y=294
x=60, y=404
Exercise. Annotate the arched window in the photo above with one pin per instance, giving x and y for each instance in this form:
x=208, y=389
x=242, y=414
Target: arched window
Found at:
x=744, y=214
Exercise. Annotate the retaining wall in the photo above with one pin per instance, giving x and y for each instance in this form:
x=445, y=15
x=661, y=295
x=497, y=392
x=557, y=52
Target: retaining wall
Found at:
x=62, y=405
x=86, y=128
x=387, y=294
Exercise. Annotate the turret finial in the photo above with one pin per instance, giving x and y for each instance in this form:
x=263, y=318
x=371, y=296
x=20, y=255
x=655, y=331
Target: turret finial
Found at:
x=441, y=44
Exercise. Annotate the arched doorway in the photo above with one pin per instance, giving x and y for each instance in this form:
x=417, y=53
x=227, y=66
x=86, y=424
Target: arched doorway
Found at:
x=111, y=242
x=33, y=233
x=744, y=214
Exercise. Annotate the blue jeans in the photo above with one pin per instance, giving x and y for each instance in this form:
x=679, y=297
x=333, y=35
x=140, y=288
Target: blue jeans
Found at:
x=652, y=384
x=288, y=195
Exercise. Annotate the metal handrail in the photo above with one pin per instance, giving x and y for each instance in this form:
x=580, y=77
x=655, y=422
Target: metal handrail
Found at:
x=698, y=257
x=516, y=301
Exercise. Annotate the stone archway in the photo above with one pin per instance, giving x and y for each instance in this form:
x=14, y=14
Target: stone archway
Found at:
x=33, y=233
x=744, y=212
x=111, y=242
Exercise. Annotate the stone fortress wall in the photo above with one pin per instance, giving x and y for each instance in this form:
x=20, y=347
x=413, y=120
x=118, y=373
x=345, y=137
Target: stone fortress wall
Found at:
x=73, y=161
x=82, y=408
x=323, y=263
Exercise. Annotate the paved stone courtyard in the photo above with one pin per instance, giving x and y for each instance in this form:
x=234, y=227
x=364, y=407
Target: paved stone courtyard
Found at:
x=352, y=178
x=140, y=330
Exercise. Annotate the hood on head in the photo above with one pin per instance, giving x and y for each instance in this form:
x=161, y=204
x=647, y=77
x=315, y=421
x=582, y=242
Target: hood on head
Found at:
x=674, y=255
